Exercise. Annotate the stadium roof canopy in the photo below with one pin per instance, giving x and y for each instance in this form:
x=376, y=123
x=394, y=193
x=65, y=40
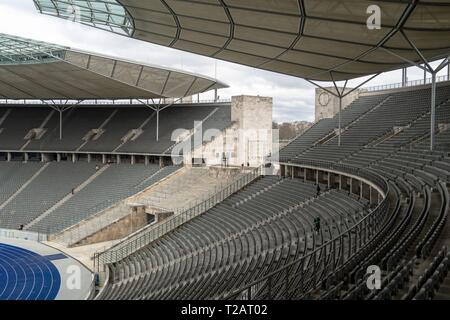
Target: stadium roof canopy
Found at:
x=31, y=69
x=312, y=39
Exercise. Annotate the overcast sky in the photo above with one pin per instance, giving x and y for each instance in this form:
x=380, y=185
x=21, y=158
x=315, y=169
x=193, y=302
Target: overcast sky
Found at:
x=293, y=97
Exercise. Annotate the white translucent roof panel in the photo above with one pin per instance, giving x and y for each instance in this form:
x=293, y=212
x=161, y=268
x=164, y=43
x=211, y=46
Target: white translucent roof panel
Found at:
x=313, y=39
x=17, y=50
x=104, y=14
x=37, y=70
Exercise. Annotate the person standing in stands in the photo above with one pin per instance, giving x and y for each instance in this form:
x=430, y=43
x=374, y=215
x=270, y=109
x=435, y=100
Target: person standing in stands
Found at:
x=318, y=190
x=317, y=224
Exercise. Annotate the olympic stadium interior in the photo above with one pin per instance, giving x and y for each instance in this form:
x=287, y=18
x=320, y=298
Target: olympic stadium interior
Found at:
x=92, y=171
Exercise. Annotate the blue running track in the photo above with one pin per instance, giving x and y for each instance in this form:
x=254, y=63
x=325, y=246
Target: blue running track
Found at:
x=26, y=275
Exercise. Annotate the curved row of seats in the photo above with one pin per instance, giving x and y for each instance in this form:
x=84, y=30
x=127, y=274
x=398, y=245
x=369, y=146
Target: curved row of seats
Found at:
x=250, y=234
x=418, y=176
x=419, y=229
x=264, y=227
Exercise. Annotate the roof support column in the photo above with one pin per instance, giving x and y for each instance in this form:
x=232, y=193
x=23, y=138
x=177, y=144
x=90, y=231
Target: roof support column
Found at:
x=340, y=125
x=433, y=111
x=61, y=109
x=60, y=124
x=426, y=69
x=157, y=123
x=340, y=94
x=404, y=77
x=424, y=76
x=448, y=72
x=158, y=108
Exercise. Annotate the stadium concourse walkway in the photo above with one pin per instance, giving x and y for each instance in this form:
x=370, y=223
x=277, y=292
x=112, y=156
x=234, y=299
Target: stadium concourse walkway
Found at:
x=33, y=271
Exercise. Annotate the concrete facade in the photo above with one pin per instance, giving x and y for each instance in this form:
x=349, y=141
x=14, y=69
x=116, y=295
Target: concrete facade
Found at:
x=137, y=219
x=248, y=141
x=327, y=105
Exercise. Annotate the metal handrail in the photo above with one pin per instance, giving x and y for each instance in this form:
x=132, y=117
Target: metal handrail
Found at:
x=399, y=85
x=151, y=233
x=109, y=102
x=24, y=235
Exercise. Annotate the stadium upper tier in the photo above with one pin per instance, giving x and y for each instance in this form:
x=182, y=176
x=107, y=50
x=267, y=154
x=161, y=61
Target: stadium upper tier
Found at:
x=32, y=69
x=390, y=120
x=107, y=129
x=312, y=39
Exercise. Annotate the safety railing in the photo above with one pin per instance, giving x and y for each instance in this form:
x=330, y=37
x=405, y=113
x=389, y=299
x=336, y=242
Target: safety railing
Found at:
x=412, y=83
x=366, y=174
x=151, y=233
x=308, y=272
x=109, y=102
x=23, y=235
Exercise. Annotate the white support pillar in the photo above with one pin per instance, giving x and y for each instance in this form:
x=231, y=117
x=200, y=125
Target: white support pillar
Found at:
x=146, y=160
x=433, y=111
x=8, y=157
x=133, y=159
x=58, y=157
x=351, y=185
x=304, y=174
x=317, y=176
x=424, y=75
x=340, y=182
x=404, y=77
x=89, y=158
x=25, y=156
x=103, y=158
x=370, y=195
x=157, y=124
x=215, y=95
x=340, y=128
x=118, y=159
x=60, y=124
x=74, y=157
x=361, y=189
x=329, y=180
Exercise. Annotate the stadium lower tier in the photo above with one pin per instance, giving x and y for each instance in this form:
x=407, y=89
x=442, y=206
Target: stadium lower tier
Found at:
x=252, y=233
x=49, y=197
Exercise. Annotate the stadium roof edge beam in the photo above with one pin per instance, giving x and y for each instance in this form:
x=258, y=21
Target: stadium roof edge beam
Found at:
x=294, y=37
x=31, y=69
